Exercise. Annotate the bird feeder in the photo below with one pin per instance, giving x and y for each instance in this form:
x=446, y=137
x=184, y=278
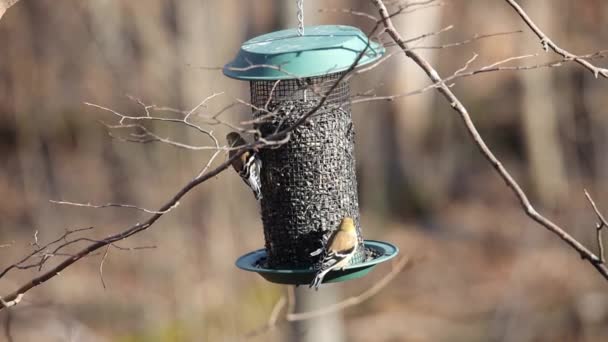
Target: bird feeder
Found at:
x=309, y=182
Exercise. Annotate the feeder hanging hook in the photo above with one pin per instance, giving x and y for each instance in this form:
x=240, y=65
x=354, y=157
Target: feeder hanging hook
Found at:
x=300, y=5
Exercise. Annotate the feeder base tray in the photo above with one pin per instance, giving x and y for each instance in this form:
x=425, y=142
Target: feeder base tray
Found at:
x=378, y=251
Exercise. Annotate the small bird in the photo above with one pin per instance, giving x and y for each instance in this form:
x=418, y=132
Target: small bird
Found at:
x=338, y=251
x=248, y=165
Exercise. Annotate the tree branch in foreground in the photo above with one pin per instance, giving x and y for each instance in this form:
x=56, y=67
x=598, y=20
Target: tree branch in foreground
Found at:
x=455, y=103
x=278, y=137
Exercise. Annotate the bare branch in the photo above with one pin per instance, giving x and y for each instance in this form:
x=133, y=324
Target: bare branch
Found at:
x=208, y=165
x=148, y=117
x=202, y=104
x=148, y=136
x=598, y=227
x=120, y=248
x=103, y=260
x=467, y=64
x=487, y=153
x=547, y=43
x=41, y=252
x=507, y=60
x=113, y=205
x=426, y=35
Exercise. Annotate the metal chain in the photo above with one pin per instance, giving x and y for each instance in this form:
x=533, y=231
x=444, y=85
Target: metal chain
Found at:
x=300, y=5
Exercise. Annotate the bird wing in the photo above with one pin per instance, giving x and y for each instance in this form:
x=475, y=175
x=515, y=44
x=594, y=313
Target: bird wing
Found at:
x=340, y=246
x=343, y=242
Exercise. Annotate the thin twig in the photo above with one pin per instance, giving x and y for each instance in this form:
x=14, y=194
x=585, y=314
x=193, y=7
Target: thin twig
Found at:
x=148, y=117
x=598, y=227
x=42, y=251
x=148, y=136
x=103, y=260
x=467, y=64
x=506, y=60
x=202, y=103
x=208, y=165
x=120, y=248
x=547, y=43
x=112, y=205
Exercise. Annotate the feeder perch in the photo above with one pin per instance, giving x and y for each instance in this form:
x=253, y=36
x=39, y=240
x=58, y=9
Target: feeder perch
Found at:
x=308, y=183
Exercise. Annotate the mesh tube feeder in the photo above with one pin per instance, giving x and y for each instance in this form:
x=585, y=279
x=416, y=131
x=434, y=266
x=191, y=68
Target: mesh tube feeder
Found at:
x=308, y=183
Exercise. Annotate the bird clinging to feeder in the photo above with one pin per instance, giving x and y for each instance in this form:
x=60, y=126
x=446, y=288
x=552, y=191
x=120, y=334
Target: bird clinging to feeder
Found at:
x=338, y=251
x=248, y=165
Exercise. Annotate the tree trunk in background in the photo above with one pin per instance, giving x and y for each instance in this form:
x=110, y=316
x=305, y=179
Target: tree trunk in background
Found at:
x=326, y=328
x=412, y=120
x=540, y=119
x=586, y=131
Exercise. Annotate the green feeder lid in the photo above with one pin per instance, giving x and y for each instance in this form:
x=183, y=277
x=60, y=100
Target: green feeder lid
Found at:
x=284, y=54
x=254, y=262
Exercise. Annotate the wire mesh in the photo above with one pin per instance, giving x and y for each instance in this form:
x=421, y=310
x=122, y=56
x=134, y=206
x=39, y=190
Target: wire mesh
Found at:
x=309, y=183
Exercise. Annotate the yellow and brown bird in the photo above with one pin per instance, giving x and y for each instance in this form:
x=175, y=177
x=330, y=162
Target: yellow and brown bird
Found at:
x=248, y=165
x=338, y=251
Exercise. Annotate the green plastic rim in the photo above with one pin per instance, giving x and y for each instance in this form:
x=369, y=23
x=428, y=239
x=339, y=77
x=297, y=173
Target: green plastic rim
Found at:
x=250, y=262
x=320, y=51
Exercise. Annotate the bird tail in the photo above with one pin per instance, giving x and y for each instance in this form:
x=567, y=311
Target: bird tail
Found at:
x=318, y=279
x=257, y=192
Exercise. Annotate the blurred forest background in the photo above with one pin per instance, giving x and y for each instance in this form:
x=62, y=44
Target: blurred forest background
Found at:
x=487, y=273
